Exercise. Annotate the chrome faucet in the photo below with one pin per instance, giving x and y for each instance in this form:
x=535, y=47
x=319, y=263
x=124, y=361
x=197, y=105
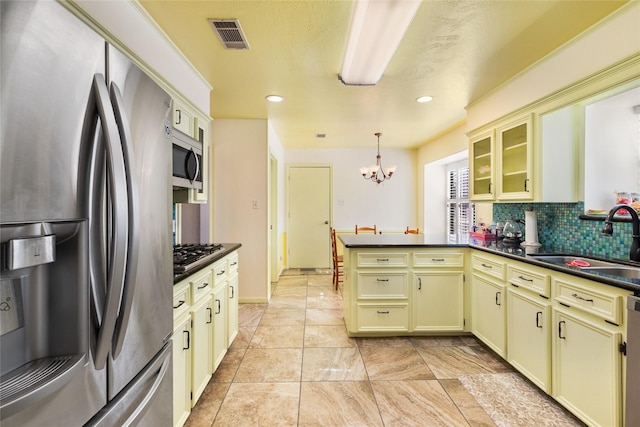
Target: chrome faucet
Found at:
x=634, y=253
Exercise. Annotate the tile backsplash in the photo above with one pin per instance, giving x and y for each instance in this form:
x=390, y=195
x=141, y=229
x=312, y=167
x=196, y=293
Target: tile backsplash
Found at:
x=561, y=229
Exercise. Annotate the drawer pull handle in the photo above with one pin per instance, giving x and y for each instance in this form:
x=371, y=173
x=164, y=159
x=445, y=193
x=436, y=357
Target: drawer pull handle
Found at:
x=234, y=263
x=232, y=292
x=383, y=312
x=188, y=340
x=576, y=296
x=560, y=323
x=437, y=259
x=210, y=315
x=419, y=283
x=382, y=259
x=221, y=273
x=538, y=315
x=204, y=285
x=382, y=280
x=485, y=265
x=498, y=298
x=219, y=307
x=179, y=304
x=525, y=279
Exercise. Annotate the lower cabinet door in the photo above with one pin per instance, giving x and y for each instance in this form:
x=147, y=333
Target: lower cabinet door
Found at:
x=383, y=317
x=202, y=316
x=488, y=313
x=232, y=308
x=528, y=337
x=587, y=372
x=181, y=369
x=438, y=301
x=220, y=313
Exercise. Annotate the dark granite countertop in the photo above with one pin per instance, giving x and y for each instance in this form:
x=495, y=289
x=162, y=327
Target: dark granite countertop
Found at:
x=227, y=249
x=402, y=240
x=520, y=253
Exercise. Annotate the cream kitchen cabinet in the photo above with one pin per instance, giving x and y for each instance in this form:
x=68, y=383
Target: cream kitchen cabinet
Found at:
x=202, y=309
x=183, y=118
x=438, y=291
x=515, y=160
x=201, y=343
x=482, y=166
x=488, y=311
x=201, y=340
x=181, y=354
x=221, y=307
x=529, y=323
x=232, y=294
x=403, y=291
x=501, y=162
x=588, y=319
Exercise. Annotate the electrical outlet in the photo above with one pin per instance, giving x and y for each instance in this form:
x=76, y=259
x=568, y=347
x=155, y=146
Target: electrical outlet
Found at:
x=255, y=204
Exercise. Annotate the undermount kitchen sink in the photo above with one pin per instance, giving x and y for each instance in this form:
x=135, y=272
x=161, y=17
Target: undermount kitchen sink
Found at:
x=573, y=261
x=626, y=272
x=590, y=265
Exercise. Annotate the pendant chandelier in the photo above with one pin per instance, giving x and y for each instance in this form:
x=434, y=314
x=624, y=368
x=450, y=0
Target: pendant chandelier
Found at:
x=375, y=172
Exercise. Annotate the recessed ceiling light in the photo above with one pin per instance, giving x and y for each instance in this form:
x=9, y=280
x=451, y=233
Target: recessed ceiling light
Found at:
x=424, y=99
x=275, y=98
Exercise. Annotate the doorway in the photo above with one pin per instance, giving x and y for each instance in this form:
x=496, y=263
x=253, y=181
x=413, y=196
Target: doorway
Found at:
x=309, y=216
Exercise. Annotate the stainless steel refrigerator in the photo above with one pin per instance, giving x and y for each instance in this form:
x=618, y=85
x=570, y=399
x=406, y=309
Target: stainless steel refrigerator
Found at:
x=85, y=228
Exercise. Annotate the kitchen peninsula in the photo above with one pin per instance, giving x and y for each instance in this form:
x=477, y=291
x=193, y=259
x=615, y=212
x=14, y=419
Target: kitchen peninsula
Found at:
x=553, y=323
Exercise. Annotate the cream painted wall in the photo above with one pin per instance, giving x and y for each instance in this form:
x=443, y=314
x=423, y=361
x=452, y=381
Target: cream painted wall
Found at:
x=612, y=40
x=240, y=157
x=391, y=206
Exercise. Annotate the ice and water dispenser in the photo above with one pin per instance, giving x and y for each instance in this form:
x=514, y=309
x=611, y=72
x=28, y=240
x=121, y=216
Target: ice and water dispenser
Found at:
x=44, y=309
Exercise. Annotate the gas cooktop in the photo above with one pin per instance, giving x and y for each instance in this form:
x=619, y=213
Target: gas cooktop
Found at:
x=189, y=256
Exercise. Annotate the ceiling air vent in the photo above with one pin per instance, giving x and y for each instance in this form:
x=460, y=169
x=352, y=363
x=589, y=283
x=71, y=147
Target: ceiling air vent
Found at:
x=230, y=33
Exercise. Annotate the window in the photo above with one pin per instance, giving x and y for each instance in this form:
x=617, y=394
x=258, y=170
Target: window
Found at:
x=461, y=214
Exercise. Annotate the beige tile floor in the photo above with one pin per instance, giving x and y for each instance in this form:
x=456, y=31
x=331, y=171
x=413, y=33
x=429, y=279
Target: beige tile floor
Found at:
x=293, y=364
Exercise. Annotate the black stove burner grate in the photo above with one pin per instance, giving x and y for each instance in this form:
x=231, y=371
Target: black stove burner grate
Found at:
x=189, y=256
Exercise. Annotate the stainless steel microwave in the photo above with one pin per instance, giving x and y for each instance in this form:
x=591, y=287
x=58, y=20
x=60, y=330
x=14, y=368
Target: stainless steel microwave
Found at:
x=187, y=161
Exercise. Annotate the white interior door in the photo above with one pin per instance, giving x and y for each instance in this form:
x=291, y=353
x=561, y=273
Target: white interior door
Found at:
x=309, y=245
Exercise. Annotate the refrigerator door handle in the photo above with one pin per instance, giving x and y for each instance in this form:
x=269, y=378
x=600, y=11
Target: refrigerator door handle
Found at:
x=119, y=230
x=133, y=218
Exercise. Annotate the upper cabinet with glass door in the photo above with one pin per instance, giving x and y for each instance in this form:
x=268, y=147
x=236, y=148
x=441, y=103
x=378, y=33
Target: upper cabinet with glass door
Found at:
x=481, y=169
x=515, y=161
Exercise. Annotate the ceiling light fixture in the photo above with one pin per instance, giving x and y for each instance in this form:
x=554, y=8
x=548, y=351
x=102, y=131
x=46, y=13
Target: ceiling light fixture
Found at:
x=424, y=99
x=377, y=27
x=375, y=172
x=274, y=98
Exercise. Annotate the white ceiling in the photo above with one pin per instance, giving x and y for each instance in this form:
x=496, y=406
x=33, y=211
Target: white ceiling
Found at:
x=455, y=51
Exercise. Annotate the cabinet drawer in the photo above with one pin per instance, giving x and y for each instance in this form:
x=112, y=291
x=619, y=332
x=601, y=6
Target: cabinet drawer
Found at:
x=220, y=270
x=383, y=285
x=383, y=259
x=181, y=299
x=531, y=280
x=201, y=284
x=433, y=259
x=489, y=266
x=383, y=317
x=605, y=305
x=233, y=262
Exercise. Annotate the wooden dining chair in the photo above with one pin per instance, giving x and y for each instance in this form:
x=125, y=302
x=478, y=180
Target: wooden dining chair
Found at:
x=359, y=229
x=412, y=231
x=338, y=261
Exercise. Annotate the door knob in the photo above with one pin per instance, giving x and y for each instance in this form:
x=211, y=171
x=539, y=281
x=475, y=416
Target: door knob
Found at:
x=326, y=222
